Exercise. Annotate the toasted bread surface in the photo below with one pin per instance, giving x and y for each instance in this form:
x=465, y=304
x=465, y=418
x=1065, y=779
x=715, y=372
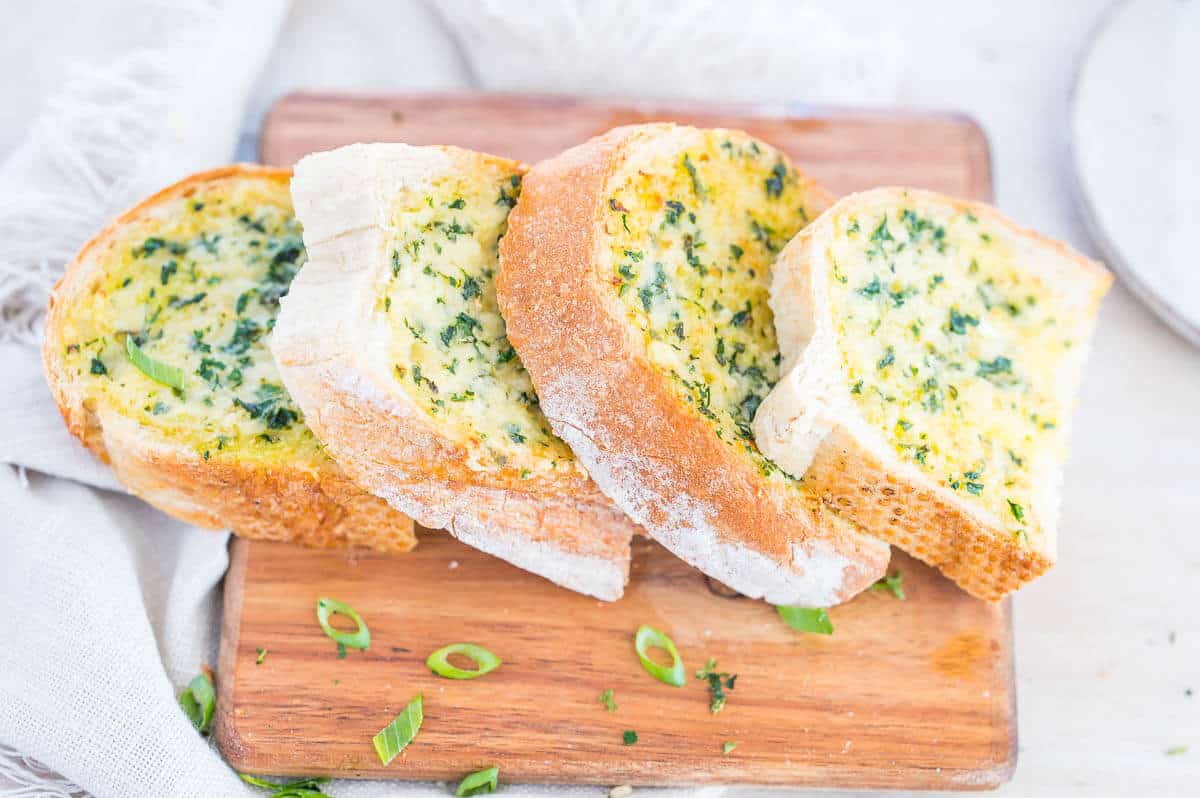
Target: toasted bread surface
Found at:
x=392, y=342
x=932, y=353
x=633, y=281
x=192, y=276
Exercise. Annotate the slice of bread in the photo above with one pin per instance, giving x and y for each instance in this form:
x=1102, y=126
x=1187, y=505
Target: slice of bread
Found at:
x=932, y=350
x=392, y=343
x=634, y=283
x=192, y=277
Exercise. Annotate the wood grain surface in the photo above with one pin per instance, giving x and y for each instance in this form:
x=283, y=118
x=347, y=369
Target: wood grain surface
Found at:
x=914, y=694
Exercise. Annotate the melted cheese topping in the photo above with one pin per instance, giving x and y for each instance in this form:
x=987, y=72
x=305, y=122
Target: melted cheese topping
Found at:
x=692, y=237
x=197, y=287
x=449, y=347
x=950, y=348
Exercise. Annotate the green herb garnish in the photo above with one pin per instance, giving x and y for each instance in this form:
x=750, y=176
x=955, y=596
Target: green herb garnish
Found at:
x=360, y=638
x=629, y=736
x=805, y=619
x=161, y=373
x=894, y=583
x=479, y=781
x=394, y=737
x=648, y=637
x=606, y=698
x=262, y=655
x=718, y=683
x=485, y=661
x=301, y=788
x=728, y=747
x=199, y=701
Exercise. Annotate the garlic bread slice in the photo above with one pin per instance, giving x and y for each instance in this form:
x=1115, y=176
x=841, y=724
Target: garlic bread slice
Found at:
x=932, y=351
x=155, y=351
x=634, y=283
x=392, y=342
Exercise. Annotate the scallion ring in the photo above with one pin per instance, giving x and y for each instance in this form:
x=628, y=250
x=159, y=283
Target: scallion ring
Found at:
x=485, y=661
x=360, y=638
x=649, y=637
x=479, y=781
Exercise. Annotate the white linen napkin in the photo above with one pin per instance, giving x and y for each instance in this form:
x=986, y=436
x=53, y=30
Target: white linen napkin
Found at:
x=110, y=607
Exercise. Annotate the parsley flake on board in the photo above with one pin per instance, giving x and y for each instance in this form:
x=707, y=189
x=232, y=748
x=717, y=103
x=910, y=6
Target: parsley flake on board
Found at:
x=629, y=736
x=606, y=698
x=718, y=683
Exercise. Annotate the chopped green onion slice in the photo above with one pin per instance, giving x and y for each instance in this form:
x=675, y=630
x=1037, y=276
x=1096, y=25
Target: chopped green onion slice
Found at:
x=302, y=788
x=261, y=655
x=728, y=747
x=199, y=700
x=479, y=781
x=804, y=619
x=485, y=661
x=606, y=698
x=649, y=637
x=629, y=737
x=392, y=739
x=160, y=372
x=894, y=583
x=360, y=638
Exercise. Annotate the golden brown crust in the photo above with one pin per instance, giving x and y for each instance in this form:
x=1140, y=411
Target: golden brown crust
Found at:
x=854, y=482
x=897, y=504
x=660, y=461
x=314, y=507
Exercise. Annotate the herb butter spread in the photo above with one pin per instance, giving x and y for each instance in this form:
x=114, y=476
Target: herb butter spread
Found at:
x=196, y=288
x=952, y=349
x=448, y=342
x=691, y=235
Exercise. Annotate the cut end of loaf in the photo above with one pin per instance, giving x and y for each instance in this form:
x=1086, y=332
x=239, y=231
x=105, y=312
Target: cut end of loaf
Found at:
x=155, y=351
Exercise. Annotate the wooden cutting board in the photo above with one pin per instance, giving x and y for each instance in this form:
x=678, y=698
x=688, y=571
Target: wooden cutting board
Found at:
x=914, y=694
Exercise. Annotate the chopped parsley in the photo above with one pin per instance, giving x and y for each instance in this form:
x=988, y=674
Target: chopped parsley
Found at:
x=718, y=683
x=606, y=698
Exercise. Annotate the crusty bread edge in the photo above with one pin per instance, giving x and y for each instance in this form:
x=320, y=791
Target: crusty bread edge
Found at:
x=563, y=529
x=283, y=503
x=665, y=468
x=856, y=478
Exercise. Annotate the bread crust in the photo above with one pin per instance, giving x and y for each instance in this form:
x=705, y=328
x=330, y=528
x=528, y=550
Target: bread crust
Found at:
x=558, y=525
x=890, y=498
x=656, y=458
x=320, y=507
